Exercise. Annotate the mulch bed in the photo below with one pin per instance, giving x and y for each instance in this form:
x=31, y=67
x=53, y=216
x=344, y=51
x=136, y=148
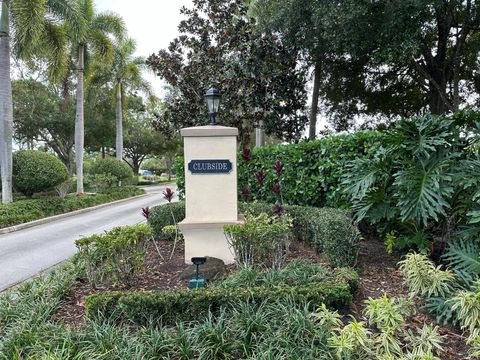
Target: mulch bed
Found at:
x=379, y=274
x=161, y=273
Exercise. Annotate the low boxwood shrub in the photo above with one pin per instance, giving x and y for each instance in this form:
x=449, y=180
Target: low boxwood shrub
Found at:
x=110, y=168
x=36, y=171
x=164, y=215
x=169, y=307
x=330, y=231
x=116, y=256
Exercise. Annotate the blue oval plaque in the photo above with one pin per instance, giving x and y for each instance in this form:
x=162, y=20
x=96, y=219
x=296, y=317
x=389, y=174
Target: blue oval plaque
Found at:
x=210, y=166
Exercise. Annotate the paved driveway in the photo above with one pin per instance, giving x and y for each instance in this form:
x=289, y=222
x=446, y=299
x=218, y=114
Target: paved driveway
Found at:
x=25, y=253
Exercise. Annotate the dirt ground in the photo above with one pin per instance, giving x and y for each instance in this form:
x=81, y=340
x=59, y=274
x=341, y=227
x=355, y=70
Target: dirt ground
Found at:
x=379, y=274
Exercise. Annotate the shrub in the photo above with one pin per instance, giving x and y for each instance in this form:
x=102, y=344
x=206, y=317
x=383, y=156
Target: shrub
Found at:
x=384, y=336
x=260, y=240
x=117, y=169
x=453, y=295
x=295, y=273
x=421, y=184
x=22, y=211
x=312, y=169
x=116, y=256
x=329, y=231
x=161, y=216
x=36, y=171
x=63, y=188
x=169, y=307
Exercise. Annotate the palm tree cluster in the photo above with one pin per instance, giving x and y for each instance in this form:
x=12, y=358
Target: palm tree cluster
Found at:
x=70, y=37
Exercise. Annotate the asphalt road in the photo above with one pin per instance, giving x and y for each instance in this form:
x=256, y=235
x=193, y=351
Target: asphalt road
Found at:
x=27, y=252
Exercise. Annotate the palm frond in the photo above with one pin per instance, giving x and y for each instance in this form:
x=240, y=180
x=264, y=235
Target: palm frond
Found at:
x=28, y=19
x=72, y=15
x=55, y=46
x=110, y=23
x=101, y=46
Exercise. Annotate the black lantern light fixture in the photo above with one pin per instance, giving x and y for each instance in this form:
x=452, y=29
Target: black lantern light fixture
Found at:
x=212, y=98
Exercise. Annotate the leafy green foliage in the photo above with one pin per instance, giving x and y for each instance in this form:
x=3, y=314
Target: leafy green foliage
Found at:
x=30, y=305
x=329, y=231
x=114, y=257
x=260, y=240
x=312, y=169
x=22, y=211
x=453, y=295
x=297, y=272
x=384, y=336
x=258, y=75
x=161, y=216
x=168, y=307
x=112, y=167
x=423, y=177
x=36, y=171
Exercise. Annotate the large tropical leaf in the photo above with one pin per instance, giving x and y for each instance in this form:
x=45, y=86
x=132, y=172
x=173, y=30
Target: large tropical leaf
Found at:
x=423, y=190
x=422, y=137
x=464, y=255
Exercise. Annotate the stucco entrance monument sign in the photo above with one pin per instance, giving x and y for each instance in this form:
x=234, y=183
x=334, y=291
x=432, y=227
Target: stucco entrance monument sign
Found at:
x=210, y=190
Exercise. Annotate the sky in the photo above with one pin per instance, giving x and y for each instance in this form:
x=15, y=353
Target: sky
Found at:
x=152, y=23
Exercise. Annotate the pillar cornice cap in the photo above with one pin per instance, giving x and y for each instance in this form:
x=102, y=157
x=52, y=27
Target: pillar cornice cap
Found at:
x=208, y=131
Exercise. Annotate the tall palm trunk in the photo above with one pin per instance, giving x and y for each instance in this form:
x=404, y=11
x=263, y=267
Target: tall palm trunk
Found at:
x=79, y=126
x=119, y=123
x=6, y=106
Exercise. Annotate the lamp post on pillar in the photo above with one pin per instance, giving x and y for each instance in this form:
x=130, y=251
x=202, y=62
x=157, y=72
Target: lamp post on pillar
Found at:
x=210, y=185
x=212, y=98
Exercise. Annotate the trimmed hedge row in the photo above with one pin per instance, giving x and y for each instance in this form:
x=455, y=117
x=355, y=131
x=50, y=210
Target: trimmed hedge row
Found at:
x=329, y=231
x=312, y=169
x=22, y=211
x=169, y=307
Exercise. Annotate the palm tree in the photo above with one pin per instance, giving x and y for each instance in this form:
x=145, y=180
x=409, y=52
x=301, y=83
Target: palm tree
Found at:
x=126, y=74
x=94, y=36
x=38, y=31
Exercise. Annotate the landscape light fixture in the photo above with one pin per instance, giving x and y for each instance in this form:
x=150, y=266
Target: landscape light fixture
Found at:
x=212, y=98
x=197, y=282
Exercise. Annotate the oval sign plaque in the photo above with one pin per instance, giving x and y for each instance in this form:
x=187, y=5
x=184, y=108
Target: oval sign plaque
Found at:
x=210, y=166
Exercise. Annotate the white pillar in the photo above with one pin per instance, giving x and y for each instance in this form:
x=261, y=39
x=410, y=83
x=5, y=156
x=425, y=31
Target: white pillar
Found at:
x=210, y=190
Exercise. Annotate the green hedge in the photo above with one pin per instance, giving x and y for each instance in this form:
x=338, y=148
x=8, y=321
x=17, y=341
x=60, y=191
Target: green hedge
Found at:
x=169, y=307
x=161, y=216
x=329, y=231
x=312, y=168
x=21, y=211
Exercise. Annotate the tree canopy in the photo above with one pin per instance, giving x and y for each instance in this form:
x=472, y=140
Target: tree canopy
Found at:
x=259, y=75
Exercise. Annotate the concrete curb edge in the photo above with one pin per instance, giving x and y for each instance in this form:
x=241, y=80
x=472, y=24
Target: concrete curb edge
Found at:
x=30, y=224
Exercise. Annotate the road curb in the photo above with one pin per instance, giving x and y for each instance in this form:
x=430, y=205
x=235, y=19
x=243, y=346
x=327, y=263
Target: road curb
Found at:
x=30, y=224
